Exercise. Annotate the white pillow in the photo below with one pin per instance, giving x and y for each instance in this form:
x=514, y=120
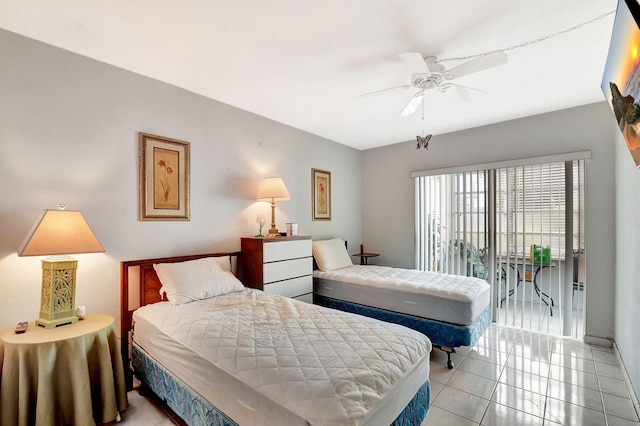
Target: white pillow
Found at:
x=331, y=254
x=224, y=262
x=198, y=279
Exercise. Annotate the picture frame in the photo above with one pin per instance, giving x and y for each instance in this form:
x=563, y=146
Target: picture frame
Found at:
x=164, y=174
x=621, y=79
x=321, y=194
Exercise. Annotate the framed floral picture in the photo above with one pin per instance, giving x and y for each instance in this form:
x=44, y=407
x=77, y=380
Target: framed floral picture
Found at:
x=164, y=178
x=321, y=194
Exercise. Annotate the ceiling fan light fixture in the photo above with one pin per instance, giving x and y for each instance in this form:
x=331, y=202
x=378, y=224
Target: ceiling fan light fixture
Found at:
x=427, y=74
x=430, y=85
x=418, y=79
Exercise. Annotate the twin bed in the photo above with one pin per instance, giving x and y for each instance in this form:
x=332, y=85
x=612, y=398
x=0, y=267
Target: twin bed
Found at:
x=452, y=310
x=221, y=354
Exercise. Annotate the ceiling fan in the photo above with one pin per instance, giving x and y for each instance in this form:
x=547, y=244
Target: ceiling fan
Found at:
x=428, y=75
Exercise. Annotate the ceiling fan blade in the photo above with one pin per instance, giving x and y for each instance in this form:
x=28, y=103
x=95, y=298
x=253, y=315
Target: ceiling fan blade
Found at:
x=467, y=87
x=413, y=104
x=480, y=64
x=462, y=92
x=390, y=89
x=414, y=63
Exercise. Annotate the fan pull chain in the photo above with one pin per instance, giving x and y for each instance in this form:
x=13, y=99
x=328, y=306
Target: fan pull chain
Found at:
x=422, y=141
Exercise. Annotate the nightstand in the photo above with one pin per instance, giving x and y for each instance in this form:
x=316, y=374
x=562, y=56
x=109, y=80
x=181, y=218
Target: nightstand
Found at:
x=72, y=374
x=364, y=257
x=279, y=265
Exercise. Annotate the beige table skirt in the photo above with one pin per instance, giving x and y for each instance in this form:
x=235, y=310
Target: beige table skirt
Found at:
x=72, y=374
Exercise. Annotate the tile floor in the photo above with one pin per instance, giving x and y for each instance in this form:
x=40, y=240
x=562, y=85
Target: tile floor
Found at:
x=536, y=317
x=510, y=377
x=520, y=377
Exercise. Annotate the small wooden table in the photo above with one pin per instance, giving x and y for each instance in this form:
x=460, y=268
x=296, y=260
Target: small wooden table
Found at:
x=364, y=257
x=72, y=374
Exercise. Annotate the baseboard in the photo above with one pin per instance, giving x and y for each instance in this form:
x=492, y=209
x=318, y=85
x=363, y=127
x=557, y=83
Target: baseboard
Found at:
x=627, y=380
x=599, y=341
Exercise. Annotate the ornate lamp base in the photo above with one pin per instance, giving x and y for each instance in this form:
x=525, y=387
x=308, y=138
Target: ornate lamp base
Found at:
x=273, y=231
x=53, y=324
x=58, y=297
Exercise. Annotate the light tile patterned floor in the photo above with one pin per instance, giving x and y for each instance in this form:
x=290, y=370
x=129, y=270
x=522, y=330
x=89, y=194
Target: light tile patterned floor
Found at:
x=520, y=377
x=510, y=377
x=537, y=317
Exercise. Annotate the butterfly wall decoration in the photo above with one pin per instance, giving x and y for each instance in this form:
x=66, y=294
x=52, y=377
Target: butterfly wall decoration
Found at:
x=423, y=142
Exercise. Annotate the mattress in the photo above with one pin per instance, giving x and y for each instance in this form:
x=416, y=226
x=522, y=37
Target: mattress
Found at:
x=266, y=359
x=453, y=299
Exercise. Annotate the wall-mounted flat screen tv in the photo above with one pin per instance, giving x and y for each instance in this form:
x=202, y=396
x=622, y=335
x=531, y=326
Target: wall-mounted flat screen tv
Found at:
x=621, y=79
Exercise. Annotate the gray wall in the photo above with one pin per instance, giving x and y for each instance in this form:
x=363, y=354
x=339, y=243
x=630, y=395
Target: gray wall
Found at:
x=627, y=288
x=388, y=191
x=69, y=134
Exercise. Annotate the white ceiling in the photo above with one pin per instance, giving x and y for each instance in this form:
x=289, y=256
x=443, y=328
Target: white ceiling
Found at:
x=305, y=63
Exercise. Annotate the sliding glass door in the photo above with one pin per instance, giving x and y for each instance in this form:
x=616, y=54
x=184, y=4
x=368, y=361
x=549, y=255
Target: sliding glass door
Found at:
x=521, y=228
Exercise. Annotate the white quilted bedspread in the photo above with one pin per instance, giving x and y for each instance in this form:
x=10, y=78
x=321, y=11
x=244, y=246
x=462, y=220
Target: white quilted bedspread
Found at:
x=446, y=286
x=325, y=366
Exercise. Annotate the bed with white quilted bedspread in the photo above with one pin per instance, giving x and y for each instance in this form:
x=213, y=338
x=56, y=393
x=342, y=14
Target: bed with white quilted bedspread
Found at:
x=264, y=359
x=448, y=298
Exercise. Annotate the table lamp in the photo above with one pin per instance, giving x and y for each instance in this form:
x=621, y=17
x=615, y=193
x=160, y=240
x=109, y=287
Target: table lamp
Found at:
x=273, y=189
x=57, y=234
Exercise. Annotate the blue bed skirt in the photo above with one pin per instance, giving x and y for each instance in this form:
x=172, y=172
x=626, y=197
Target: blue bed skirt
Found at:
x=441, y=334
x=196, y=411
x=186, y=403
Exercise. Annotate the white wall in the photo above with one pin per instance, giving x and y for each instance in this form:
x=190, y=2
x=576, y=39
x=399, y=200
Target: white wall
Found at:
x=627, y=265
x=388, y=191
x=69, y=133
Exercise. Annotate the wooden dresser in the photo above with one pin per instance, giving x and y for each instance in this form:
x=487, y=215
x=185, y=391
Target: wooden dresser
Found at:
x=280, y=265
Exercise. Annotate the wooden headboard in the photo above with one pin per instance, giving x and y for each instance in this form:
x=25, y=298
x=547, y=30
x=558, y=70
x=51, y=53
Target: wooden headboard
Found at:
x=149, y=291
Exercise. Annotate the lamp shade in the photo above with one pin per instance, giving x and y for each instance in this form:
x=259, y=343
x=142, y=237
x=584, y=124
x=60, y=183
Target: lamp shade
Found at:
x=273, y=189
x=60, y=232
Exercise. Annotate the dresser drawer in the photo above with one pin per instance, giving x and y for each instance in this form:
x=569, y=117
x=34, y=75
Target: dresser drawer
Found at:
x=291, y=288
x=282, y=250
x=278, y=271
x=271, y=260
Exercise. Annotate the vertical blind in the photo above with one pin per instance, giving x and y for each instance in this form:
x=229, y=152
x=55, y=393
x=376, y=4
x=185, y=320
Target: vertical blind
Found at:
x=531, y=199
x=453, y=208
x=451, y=221
x=476, y=222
